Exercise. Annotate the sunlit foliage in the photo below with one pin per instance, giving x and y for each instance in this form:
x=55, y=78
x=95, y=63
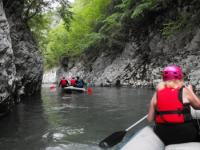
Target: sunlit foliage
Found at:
x=56, y=46
x=81, y=34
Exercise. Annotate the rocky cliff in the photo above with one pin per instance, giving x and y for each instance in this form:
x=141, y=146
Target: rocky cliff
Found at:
x=21, y=62
x=167, y=34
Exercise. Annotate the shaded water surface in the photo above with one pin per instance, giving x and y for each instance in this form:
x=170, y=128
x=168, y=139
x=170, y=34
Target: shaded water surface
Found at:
x=59, y=121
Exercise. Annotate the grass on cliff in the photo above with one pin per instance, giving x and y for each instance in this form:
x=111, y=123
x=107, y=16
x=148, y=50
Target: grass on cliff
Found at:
x=173, y=26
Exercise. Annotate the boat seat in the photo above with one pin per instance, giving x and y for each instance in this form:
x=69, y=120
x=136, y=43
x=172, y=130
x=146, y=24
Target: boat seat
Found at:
x=184, y=146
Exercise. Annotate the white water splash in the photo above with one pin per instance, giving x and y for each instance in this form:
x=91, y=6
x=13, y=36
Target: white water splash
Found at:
x=63, y=106
x=73, y=146
x=70, y=130
x=58, y=136
x=75, y=131
x=60, y=132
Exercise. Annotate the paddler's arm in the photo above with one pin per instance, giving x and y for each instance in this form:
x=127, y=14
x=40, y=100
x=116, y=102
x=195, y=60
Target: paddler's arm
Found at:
x=192, y=97
x=151, y=113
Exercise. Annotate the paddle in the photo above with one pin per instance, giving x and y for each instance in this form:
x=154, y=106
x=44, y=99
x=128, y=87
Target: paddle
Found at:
x=117, y=137
x=89, y=91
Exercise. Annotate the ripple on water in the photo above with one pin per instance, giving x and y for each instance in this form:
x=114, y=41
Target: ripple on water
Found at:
x=58, y=136
x=73, y=146
x=61, y=132
x=63, y=106
x=66, y=97
x=70, y=130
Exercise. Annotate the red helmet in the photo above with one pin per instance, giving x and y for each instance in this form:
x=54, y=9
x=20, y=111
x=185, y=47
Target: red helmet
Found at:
x=172, y=72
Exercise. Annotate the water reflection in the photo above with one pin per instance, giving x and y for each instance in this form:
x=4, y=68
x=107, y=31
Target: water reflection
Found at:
x=24, y=127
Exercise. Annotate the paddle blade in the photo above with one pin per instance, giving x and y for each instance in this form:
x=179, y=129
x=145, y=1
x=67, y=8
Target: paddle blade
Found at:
x=112, y=140
x=89, y=91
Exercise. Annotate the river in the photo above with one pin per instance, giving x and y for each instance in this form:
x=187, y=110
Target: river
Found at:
x=57, y=121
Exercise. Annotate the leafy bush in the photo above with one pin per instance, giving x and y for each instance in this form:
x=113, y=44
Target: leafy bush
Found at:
x=145, y=5
x=81, y=33
x=173, y=26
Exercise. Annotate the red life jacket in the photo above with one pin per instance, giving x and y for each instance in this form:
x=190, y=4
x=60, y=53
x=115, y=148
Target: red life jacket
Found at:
x=73, y=82
x=63, y=82
x=170, y=108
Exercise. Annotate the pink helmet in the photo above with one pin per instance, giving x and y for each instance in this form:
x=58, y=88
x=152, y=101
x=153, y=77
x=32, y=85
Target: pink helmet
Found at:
x=172, y=72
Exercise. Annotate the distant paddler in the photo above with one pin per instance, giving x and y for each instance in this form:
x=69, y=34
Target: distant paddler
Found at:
x=73, y=81
x=63, y=83
x=89, y=87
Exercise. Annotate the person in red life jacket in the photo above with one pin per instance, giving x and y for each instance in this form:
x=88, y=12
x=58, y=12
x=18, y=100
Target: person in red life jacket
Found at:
x=73, y=81
x=170, y=108
x=63, y=83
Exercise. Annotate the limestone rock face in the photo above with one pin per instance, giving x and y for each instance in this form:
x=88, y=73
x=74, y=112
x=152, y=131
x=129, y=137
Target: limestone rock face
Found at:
x=20, y=60
x=134, y=68
x=8, y=69
x=27, y=58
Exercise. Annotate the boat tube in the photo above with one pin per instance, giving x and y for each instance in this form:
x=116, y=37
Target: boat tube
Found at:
x=146, y=139
x=71, y=89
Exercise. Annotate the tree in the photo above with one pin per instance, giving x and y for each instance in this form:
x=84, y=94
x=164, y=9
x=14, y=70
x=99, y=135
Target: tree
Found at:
x=33, y=8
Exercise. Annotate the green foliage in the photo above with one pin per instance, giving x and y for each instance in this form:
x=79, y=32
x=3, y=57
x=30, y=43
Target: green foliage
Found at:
x=173, y=26
x=41, y=17
x=81, y=34
x=125, y=4
x=145, y=5
x=111, y=23
x=32, y=8
x=40, y=25
x=65, y=13
x=56, y=46
x=87, y=15
x=111, y=31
